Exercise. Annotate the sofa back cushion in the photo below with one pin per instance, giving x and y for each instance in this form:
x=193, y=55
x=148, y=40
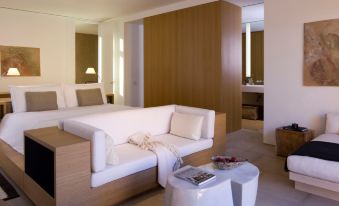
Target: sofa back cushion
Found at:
x=123, y=124
x=207, y=130
x=186, y=125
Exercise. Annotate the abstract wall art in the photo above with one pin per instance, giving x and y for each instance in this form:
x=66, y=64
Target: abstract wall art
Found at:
x=25, y=59
x=321, y=53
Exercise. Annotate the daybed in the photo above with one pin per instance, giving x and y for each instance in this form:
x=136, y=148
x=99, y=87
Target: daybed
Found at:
x=81, y=177
x=318, y=175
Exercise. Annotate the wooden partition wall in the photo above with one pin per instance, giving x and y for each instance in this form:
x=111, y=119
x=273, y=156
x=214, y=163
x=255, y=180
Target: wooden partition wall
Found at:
x=193, y=57
x=86, y=55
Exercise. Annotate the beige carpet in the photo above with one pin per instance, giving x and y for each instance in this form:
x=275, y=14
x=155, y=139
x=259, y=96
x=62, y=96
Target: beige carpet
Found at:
x=274, y=187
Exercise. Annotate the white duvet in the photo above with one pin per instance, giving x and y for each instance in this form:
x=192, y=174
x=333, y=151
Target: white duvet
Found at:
x=314, y=167
x=13, y=125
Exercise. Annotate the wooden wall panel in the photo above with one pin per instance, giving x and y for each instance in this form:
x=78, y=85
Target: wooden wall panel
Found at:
x=86, y=55
x=257, y=55
x=243, y=57
x=183, y=59
x=198, y=57
x=160, y=53
x=231, y=94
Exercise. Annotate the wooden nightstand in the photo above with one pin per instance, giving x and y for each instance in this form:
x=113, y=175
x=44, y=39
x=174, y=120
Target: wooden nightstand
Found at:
x=5, y=106
x=289, y=141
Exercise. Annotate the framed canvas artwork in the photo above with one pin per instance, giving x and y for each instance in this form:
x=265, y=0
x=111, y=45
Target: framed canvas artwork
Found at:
x=25, y=59
x=321, y=53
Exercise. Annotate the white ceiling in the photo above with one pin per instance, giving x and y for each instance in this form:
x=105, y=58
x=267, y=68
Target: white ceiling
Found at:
x=91, y=10
x=95, y=11
x=243, y=3
x=253, y=14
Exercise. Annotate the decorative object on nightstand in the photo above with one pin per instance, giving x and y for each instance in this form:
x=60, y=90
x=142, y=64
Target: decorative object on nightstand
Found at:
x=110, y=98
x=290, y=138
x=5, y=106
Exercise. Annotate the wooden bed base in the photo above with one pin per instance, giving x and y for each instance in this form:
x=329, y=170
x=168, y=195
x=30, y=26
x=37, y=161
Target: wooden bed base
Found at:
x=72, y=175
x=315, y=186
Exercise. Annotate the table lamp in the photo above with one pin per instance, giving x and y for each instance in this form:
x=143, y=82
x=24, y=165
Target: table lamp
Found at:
x=13, y=72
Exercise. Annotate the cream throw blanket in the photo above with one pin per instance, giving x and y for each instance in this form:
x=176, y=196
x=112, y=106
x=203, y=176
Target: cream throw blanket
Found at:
x=169, y=159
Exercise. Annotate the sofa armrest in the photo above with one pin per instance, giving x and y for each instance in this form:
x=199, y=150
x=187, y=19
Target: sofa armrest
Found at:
x=209, y=119
x=97, y=138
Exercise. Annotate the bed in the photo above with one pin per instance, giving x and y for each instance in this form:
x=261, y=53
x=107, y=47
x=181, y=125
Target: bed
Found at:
x=315, y=166
x=13, y=125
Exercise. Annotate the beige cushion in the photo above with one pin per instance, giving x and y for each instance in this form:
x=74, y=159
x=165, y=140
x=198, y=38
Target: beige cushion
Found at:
x=89, y=97
x=41, y=101
x=186, y=125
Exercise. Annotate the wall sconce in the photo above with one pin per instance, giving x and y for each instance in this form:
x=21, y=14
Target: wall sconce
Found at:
x=13, y=72
x=90, y=70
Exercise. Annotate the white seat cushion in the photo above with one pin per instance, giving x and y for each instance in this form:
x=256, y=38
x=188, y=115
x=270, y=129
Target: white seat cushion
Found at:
x=131, y=160
x=185, y=146
x=314, y=167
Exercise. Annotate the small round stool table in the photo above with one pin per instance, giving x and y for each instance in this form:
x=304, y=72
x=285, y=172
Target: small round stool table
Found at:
x=244, y=182
x=179, y=192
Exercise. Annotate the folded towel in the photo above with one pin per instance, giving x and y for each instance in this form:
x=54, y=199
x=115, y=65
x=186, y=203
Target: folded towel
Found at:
x=169, y=158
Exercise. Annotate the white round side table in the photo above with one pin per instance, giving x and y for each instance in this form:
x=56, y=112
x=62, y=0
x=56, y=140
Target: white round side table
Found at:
x=182, y=193
x=244, y=182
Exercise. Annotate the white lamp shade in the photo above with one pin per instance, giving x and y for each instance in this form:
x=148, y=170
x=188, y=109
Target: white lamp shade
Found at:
x=13, y=72
x=90, y=71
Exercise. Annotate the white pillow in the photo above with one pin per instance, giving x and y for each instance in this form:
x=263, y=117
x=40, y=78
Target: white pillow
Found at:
x=186, y=125
x=70, y=92
x=332, y=123
x=19, y=100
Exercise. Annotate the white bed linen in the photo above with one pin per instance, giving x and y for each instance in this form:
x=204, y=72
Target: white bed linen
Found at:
x=13, y=125
x=314, y=167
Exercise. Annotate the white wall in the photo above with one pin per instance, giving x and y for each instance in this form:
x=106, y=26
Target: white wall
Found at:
x=286, y=99
x=134, y=64
x=112, y=35
x=55, y=36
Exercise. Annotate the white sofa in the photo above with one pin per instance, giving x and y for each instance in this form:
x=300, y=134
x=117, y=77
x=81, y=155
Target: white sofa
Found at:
x=121, y=125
